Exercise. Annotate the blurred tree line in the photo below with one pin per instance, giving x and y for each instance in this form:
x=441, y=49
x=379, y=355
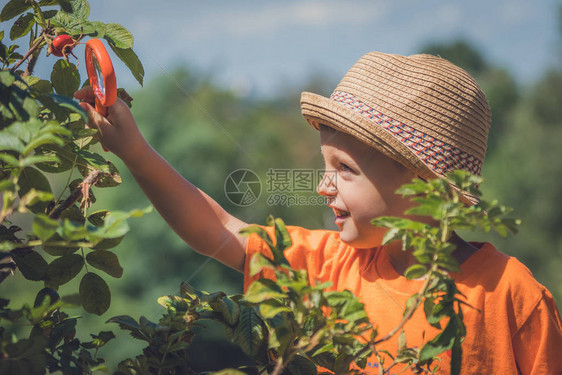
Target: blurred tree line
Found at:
x=207, y=132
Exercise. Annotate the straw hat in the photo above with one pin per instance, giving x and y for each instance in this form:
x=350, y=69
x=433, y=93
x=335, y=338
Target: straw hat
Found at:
x=421, y=110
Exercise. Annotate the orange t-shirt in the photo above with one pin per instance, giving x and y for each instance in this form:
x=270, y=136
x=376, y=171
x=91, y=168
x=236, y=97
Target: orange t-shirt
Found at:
x=517, y=330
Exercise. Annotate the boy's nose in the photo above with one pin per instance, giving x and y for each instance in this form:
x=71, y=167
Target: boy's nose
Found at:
x=327, y=185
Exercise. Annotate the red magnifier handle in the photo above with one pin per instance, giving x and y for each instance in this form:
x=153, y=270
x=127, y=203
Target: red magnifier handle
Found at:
x=100, y=108
x=101, y=75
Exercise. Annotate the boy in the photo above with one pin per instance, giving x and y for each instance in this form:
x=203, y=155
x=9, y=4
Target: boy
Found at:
x=390, y=119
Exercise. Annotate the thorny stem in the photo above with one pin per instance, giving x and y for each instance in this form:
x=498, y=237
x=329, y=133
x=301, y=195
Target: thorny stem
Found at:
x=33, y=48
x=91, y=180
x=165, y=355
x=278, y=367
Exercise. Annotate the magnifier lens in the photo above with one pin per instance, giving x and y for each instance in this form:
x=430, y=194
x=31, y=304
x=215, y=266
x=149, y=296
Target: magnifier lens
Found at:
x=99, y=78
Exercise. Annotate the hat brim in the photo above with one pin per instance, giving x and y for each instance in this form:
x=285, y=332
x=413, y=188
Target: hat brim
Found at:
x=318, y=110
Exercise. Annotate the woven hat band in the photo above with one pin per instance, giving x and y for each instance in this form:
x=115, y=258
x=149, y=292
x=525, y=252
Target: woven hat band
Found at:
x=440, y=156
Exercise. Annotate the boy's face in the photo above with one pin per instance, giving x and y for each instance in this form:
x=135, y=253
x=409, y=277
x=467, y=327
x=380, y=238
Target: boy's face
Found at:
x=360, y=183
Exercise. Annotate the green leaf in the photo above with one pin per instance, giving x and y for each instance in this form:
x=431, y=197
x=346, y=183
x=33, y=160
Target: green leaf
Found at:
x=44, y=227
x=131, y=60
x=95, y=160
x=263, y=289
x=282, y=237
x=31, y=178
x=229, y=371
x=258, y=262
x=64, y=269
x=13, y=8
x=97, y=218
x=65, y=5
x=26, y=356
x=99, y=340
x=68, y=23
x=262, y=233
x=229, y=309
x=249, y=334
x=34, y=198
x=46, y=296
x=176, y=303
x=10, y=161
x=7, y=78
x=22, y=26
x=109, y=179
x=354, y=311
x=66, y=158
x=108, y=243
x=300, y=365
x=80, y=9
x=99, y=29
x=270, y=308
x=31, y=265
x=58, y=250
x=25, y=131
x=66, y=102
x=10, y=142
x=415, y=271
x=115, y=225
x=442, y=342
x=42, y=140
x=105, y=261
x=95, y=294
x=391, y=235
x=65, y=78
x=125, y=322
x=118, y=35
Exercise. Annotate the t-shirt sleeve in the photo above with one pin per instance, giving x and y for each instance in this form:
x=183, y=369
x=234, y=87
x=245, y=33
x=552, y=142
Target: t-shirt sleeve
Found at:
x=312, y=250
x=538, y=342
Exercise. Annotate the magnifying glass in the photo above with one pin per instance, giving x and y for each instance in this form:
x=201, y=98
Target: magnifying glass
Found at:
x=101, y=75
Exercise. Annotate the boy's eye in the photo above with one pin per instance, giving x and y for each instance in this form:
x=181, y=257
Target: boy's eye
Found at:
x=345, y=168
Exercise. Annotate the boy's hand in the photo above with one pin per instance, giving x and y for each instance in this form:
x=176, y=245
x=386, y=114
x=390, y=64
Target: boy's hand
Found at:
x=118, y=132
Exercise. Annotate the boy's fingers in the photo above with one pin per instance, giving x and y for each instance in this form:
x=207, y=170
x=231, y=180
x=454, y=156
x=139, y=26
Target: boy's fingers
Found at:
x=95, y=118
x=85, y=94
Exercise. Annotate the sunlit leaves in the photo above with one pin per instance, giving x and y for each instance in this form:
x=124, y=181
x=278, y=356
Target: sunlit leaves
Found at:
x=118, y=35
x=65, y=78
x=22, y=26
x=13, y=8
x=131, y=60
x=44, y=227
x=250, y=334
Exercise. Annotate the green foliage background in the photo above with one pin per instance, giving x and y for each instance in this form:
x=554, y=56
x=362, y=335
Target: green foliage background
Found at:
x=207, y=132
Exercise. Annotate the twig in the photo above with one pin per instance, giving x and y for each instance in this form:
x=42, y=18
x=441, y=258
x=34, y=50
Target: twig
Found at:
x=28, y=53
x=91, y=180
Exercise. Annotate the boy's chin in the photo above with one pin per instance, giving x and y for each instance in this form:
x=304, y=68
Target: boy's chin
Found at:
x=361, y=242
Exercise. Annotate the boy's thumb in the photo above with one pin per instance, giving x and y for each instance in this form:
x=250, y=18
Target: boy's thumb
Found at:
x=95, y=118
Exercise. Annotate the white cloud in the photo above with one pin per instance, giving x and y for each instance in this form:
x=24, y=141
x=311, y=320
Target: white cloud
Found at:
x=273, y=17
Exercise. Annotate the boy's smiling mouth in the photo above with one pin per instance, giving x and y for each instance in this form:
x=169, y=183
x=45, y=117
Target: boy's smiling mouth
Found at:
x=340, y=214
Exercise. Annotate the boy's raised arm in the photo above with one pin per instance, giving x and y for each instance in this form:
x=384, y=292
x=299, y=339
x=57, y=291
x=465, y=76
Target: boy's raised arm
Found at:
x=193, y=215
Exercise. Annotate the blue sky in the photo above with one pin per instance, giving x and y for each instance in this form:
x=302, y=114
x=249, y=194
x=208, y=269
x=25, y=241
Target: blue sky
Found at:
x=260, y=46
